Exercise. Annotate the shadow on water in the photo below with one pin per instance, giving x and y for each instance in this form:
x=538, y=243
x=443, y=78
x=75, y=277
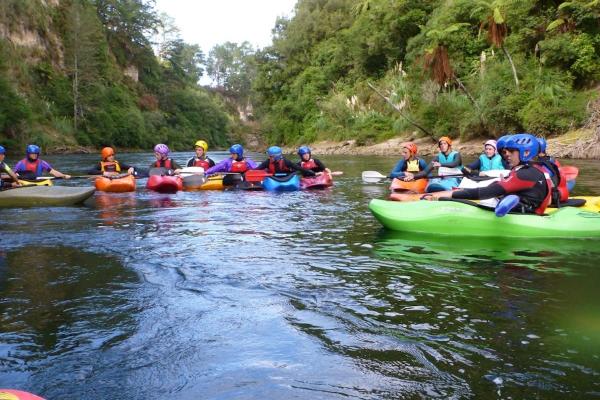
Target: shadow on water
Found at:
x=57, y=304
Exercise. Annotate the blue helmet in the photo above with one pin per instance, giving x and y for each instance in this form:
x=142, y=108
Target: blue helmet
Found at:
x=303, y=150
x=501, y=143
x=2, y=150
x=523, y=142
x=237, y=149
x=542, y=142
x=275, y=151
x=32, y=149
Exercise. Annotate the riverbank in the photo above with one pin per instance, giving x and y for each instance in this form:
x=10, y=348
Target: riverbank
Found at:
x=582, y=143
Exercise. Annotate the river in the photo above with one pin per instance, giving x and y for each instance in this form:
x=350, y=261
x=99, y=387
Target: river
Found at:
x=255, y=295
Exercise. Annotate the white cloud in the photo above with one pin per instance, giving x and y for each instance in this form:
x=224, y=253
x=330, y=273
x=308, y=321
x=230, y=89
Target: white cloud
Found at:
x=211, y=22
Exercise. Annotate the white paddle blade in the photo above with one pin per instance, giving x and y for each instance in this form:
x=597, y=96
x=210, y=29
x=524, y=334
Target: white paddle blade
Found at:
x=496, y=173
x=193, y=170
x=444, y=171
x=372, y=176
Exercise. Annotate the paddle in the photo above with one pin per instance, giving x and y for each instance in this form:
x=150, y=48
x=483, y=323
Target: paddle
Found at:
x=19, y=187
x=192, y=171
x=336, y=173
x=194, y=181
x=374, y=176
x=256, y=175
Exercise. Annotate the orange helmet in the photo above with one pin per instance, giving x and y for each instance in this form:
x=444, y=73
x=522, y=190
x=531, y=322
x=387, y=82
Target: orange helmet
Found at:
x=107, y=152
x=445, y=139
x=411, y=147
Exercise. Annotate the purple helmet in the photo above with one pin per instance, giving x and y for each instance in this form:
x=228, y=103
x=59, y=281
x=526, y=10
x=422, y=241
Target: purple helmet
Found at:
x=161, y=149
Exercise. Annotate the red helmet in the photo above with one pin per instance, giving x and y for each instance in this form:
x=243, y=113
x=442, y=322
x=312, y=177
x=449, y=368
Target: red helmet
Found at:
x=411, y=147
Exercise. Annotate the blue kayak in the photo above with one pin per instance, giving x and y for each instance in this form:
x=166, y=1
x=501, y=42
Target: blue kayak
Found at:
x=288, y=183
x=439, y=185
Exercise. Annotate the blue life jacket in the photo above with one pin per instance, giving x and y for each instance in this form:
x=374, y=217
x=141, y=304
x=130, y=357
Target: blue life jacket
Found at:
x=488, y=164
x=443, y=159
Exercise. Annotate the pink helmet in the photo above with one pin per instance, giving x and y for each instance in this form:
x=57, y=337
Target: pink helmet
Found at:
x=492, y=143
x=161, y=149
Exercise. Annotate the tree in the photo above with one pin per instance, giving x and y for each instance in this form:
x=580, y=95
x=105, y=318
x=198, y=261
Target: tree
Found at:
x=492, y=17
x=233, y=67
x=82, y=53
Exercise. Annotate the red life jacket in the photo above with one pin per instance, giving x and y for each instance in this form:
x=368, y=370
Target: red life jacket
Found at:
x=278, y=166
x=310, y=164
x=239, y=166
x=201, y=163
x=163, y=164
x=110, y=166
x=34, y=167
x=512, y=182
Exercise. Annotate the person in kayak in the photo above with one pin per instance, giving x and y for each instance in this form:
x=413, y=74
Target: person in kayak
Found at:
x=489, y=160
x=526, y=179
x=560, y=190
x=277, y=164
x=235, y=163
x=446, y=158
x=161, y=152
x=409, y=165
x=308, y=162
x=108, y=166
x=5, y=169
x=201, y=159
x=32, y=167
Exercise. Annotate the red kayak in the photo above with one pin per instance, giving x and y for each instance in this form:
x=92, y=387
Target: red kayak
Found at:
x=316, y=182
x=165, y=183
x=9, y=394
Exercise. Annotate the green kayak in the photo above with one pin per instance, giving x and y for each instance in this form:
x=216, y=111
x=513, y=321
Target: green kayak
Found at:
x=43, y=196
x=459, y=219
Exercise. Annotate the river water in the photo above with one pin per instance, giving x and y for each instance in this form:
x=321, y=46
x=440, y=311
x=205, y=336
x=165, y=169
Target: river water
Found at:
x=254, y=295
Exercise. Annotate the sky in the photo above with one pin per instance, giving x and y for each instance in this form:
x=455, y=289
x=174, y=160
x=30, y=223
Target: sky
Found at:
x=210, y=22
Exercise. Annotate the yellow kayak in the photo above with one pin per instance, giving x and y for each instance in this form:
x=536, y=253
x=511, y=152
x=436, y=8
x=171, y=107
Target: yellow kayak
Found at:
x=45, y=182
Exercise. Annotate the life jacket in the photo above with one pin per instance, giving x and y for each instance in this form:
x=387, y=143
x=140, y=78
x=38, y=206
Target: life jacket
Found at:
x=110, y=166
x=529, y=197
x=310, y=164
x=34, y=167
x=168, y=164
x=239, y=166
x=278, y=166
x=443, y=159
x=412, y=165
x=488, y=164
x=560, y=192
x=201, y=163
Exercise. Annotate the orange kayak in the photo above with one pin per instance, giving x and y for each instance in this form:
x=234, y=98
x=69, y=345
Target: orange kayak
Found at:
x=416, y=186
x=117, y=185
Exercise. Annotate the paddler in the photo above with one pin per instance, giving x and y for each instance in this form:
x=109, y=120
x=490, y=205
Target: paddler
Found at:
x=108, y=166
x=277, y=164
x=235, y=163
x=489, y=160
x=32, y=167
x=4, y=168
x=200, y=159
x=526, y=179
x=161, y=152
x=410, y=164
x=445, y=158
x=308, y=162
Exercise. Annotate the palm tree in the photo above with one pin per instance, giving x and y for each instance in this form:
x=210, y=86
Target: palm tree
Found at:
x=492, y=18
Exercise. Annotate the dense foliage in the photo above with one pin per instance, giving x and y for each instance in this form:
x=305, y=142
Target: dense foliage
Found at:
x=83, y=72
x=460, y=68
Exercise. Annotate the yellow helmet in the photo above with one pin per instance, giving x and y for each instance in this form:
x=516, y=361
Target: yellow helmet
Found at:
x=203, y=144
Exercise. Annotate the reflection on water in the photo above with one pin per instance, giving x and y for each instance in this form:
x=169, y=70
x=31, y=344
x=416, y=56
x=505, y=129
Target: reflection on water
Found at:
x=300, y=295
x=58, y=302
